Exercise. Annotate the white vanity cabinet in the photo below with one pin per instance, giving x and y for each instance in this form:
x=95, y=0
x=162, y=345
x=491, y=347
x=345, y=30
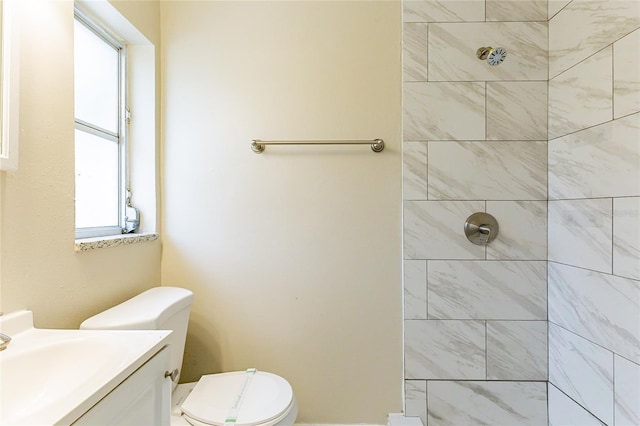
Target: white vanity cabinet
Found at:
x=143, y=398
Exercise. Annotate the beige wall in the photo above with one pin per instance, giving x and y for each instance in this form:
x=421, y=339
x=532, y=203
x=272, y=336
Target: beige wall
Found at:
x=294, y=255
x=39, y=269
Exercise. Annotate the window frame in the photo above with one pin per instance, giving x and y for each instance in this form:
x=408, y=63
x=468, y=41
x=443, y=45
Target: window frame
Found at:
x=121, y=138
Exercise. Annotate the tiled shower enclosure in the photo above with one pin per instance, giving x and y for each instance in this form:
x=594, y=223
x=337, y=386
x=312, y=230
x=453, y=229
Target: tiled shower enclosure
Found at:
x=486, y=328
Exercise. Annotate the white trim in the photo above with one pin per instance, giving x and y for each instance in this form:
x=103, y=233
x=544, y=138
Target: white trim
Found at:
x=399, y=419
x=113, y=40
x=10, y=85
x=142, y=139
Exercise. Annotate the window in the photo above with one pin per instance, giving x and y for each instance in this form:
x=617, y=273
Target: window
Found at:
x=101, y=192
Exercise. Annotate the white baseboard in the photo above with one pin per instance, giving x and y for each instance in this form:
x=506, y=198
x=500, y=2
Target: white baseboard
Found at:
x=394, y=419
x=399, y=419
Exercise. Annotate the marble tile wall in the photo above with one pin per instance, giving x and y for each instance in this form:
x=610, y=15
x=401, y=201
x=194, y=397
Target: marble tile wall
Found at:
x=475, y=139
x=565, y=411
x=498, y=290
x=627, y=391
x=596, y=162
x=480, y=169
x=449, y=58
x=585, y=27
x=594, y=212
x=457, y=403
x=593, y=386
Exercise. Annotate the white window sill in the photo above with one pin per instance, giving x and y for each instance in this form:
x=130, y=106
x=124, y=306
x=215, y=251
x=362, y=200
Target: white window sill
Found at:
x=87, y=244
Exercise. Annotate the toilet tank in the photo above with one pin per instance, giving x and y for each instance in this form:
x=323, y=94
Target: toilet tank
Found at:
x=159, y=308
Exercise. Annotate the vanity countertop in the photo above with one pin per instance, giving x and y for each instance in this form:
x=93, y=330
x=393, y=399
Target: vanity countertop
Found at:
x=54, y=376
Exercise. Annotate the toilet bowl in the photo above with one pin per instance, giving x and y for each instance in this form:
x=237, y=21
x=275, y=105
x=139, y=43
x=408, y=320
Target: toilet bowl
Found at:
x=241, y=398
x=264, y=399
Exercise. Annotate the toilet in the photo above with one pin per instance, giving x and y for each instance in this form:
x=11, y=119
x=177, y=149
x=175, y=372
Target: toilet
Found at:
x=241, y=398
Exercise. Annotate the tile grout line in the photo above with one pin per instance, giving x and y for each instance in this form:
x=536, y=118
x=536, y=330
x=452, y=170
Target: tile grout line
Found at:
x=592, y=270
x=593, y=342
x=486, y=351
x=427, y=51
x=426, y=153
x=426, y=401
x=548, y=354
x=486, y=114
x=613, y=383
x=613, y=81
x=478, y=319
x=480, y=380
x=580, y=405
x=583, y=198
x=613, y=218
x=589, y=56
x=593, y=126
x=613, y=117
x=426, y=279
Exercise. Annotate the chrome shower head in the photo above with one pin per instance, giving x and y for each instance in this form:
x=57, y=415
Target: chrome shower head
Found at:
x=493, y=56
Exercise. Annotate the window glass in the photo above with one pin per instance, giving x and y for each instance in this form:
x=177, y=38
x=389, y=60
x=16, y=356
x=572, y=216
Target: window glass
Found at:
x=99, y=140
x=97, y=183
x=96, y=79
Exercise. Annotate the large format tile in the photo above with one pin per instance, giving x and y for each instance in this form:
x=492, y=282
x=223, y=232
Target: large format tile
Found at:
x=626, y=75
x=487, y=290
x=517, y=350
x=444, y=349
x=564, y=411
x=434, y=230
x=517, y=10
x=487, y=170
x=580, y=233
x=487, y=403
x=582, y=370
x=523, y=230
x=586, y=26
x=627, y=392
x=582, y=96
x=416, y=399
x=517, y=110
x=415, y=289
x=443, y=111
x=556, y=6
x=603, y=161
x=626, y=237
x=414, y=172
x=442, y=10
x=600, y=307
x=452, y=49
x=414, y=52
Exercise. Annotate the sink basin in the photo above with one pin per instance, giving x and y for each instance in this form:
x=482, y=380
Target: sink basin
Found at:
x=54, y=376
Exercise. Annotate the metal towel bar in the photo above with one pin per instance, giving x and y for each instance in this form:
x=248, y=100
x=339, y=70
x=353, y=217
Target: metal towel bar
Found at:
x=377, y=145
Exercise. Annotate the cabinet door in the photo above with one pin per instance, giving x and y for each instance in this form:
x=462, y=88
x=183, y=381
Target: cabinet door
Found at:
x=144, y=398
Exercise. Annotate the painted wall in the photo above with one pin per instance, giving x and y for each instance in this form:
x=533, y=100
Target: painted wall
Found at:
x=474, y=140
x=293, y=254
x=594, y=213
x=40, y=270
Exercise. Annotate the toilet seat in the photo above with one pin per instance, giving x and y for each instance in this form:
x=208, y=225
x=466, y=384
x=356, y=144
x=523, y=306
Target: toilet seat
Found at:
x=266, y=399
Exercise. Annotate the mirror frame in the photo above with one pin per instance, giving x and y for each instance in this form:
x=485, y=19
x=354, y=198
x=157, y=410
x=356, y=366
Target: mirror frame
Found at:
x=10, y=87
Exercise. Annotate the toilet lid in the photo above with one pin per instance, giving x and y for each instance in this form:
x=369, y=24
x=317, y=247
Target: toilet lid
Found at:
x=264, y=396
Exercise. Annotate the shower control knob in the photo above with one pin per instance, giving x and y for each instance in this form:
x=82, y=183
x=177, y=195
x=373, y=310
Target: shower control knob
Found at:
x=481, y=228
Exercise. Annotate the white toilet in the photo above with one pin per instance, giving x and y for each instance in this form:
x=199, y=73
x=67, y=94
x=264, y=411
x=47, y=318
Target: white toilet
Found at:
x=242, y=398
